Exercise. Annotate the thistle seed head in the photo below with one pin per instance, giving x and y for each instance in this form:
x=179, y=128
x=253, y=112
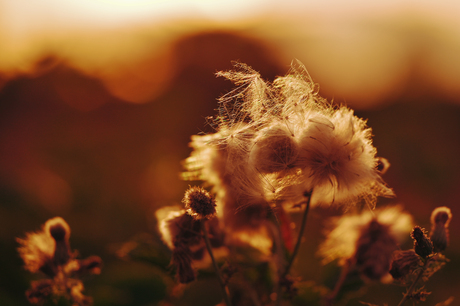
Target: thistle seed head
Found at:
x=274, y=141
x=274, y=150
x=338, y=159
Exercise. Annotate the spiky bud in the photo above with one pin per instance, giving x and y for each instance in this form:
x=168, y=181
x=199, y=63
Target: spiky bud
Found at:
x=422, y=244
x=440, y=219
x=199, y=203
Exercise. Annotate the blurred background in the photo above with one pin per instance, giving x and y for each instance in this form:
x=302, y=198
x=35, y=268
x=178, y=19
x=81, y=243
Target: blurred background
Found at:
x=99, y=98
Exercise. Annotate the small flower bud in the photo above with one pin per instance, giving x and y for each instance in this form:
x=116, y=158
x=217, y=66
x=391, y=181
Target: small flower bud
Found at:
x=199, y=204
x=382, y=165
x=60, y=231
x=403, y=263
x=440, y=219
x=422, y=244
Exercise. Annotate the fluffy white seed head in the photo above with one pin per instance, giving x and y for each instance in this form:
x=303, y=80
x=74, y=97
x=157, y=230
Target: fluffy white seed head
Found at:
x=274, y=149
x=341, y=240
x=279, y=141
x=337, y=157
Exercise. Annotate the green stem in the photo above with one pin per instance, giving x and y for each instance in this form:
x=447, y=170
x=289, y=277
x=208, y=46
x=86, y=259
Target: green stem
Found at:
x=216, y=267
x=282, y=275
x=280, y=257
x=412, y=287
x=299, y=238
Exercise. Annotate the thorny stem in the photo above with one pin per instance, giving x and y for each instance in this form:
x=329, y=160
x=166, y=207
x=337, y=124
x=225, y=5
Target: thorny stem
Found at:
x=216, y=267
x=412, y=287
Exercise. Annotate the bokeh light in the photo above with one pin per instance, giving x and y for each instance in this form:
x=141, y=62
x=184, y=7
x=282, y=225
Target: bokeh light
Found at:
x=98, y=100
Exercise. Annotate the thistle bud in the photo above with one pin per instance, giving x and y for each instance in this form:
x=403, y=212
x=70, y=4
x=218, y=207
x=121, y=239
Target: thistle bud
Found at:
x=199, y=204
x=60, y=232
x=440, y=219
x=403, y=263
x=422, y=244
x=382, y=165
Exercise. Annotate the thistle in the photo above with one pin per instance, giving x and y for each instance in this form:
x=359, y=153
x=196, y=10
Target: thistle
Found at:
x=280, y=143
x=338, y=160
x=425, y=257
x=199, y=204
x=48, y=251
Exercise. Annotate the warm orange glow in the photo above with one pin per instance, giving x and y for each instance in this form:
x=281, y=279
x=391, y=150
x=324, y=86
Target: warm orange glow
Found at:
x=126, y=51
x=360, y=51
x=259, y=240
x=99, y=100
